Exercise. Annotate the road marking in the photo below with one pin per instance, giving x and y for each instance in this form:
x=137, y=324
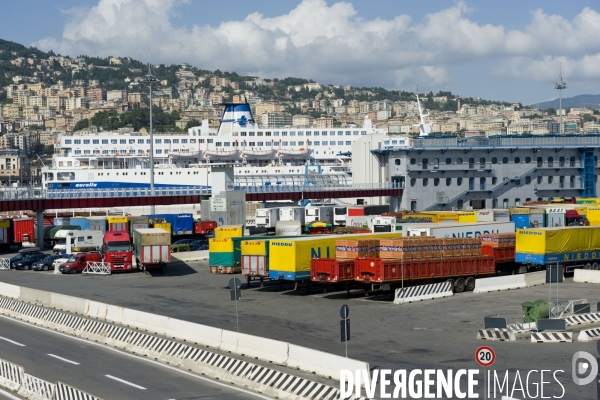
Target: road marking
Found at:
x=144, y=359
x=125, y=382
x=63, y=359
x=12, y=341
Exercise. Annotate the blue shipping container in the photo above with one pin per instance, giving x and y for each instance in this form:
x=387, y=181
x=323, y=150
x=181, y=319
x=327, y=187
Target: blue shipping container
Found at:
x=82, y=222
x=521, y=220
x=60, y=221
x=184, y=224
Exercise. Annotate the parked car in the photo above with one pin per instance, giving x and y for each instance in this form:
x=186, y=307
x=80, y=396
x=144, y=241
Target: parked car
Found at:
x=45, y=264
x=27, y=262
x=21, y=256
x=200, y=242
x=184, y=241
x=180, y=248
x=77, y=262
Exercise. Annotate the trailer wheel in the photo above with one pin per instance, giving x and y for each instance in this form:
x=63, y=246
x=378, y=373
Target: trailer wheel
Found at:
x=595, y=266
x=470, y=284
x=248, y=281
x=587, y=266
x=459, y=286
x=451, y=281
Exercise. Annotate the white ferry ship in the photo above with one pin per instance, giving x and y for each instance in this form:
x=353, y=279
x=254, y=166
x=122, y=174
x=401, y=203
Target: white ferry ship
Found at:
x=261, y=156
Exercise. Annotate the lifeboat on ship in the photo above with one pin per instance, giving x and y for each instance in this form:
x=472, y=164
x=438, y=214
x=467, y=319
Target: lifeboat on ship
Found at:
x=219, y=154
x=257, y=154
x=186, y=154
x=293, y=154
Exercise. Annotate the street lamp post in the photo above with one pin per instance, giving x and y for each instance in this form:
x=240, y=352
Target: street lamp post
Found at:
x=560, y=86
x=150, y=79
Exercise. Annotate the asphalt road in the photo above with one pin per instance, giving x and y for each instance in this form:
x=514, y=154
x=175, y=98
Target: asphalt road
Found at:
x=438, y=334
x=102, y=371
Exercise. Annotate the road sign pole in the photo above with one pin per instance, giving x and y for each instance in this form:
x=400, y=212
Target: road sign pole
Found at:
x=485, y=384
x=346, y=336
x=237, y=318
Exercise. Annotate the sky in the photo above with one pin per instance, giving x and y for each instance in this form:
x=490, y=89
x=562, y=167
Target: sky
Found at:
x=507, y=51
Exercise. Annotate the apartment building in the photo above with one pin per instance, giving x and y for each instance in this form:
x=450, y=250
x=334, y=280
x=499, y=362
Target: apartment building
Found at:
x=302, y=121
x=275, y=119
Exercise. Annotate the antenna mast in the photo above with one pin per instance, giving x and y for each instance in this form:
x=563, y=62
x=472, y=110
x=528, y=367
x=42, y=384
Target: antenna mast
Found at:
x=560, y=85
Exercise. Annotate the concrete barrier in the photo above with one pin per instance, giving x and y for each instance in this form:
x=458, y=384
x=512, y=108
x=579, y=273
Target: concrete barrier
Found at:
x=11, y=375
x=68, y=392
x=95, y=309
x=34, y=296
x=262, y=348
x=586, y=276
x=497, y=283
x=229, y=341
x=194, y=333
x=152, y=323
x=423, y=292
x=589, y=335
x=71, y=304
x=552, y=337
x=8, y=290
x=321, y=363
x=191, y=255
x=535, y=278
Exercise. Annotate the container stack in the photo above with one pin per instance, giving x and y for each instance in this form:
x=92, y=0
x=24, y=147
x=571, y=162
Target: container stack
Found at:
x=346, y=249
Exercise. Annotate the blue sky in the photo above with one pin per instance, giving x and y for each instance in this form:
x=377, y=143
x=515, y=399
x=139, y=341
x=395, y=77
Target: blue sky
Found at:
x=507, y=50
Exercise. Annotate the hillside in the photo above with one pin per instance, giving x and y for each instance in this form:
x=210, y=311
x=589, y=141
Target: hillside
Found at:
x=582, y=100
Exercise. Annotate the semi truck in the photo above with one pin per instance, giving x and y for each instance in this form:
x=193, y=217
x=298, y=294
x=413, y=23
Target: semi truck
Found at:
x=152, y=248
x=318, y=213
x=116, y=248
x=267, y=217
x=292, y=214
x=340, y=213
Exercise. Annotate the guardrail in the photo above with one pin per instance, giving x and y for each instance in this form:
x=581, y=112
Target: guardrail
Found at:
x=317, y=188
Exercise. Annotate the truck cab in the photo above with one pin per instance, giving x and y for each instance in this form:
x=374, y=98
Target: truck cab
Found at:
x=77, y=262
x=117, y=250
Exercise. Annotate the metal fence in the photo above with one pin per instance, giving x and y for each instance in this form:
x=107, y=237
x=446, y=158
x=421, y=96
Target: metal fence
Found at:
x=531, y=141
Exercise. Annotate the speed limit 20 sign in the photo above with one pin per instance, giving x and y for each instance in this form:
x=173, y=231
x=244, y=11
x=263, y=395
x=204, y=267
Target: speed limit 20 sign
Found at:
x=485, y=356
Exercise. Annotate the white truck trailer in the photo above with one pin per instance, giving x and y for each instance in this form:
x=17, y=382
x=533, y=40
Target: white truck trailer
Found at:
x=78, y=241
x=267, y=217
x=318, y=213
x=464, y=230
x=292, y=214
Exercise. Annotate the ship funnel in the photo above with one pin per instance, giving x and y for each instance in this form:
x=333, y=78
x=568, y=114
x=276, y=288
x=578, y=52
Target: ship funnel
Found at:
x=236, y=117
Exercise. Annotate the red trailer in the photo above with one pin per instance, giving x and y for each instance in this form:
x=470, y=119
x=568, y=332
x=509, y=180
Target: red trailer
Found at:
x=331, y=270
x=462, y=271
x=204, y=227
x=22, y=231
x=500, y=254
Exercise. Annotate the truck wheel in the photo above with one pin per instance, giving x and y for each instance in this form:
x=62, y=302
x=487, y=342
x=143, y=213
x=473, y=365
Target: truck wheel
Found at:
x=595, y=266
x=470, y=284
x=587, y=266
x=459, y=286
x=248, y=281
x=73, y=271
x=451, y=281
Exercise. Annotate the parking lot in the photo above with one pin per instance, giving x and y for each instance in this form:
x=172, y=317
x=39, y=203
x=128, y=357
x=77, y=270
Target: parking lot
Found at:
x=438, y=334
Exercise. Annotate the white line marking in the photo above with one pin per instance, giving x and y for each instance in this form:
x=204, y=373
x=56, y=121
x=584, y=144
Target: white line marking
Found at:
x=9, y=395
x=125, y=382
x=12, y=341
x=63, y=359
x=190, y=374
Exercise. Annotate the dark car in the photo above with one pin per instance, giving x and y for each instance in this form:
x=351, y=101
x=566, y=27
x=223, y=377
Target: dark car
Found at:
x=184, y=241
x=200, y=242
x=28, y=261
x=45, y=264
x=20, y=257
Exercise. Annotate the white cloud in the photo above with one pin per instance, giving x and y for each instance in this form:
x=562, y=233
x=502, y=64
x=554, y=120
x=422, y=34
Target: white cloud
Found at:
x=332, y=44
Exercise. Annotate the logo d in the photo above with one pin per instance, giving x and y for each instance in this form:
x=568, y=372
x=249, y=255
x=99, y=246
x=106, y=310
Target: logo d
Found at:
x=590, y=366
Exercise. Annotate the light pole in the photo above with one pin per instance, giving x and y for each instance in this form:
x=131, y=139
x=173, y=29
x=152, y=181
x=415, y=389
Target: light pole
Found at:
x=560, y=86
x=150, y=79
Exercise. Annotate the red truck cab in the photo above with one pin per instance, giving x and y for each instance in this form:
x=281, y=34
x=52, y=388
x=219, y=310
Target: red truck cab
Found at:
x=77, y=262
x=117, y=250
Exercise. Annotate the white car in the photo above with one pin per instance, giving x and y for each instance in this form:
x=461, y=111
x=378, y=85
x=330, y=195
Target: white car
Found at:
x=58, y=262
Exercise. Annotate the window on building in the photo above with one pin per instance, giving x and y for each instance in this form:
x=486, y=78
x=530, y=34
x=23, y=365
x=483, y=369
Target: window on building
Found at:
x=505, y=203
x=517, y=202
x=157, y=141
x=104, y=141
x=460, y=204
x=550, y=162
x=572, y=161
x=527, y=180
x=517, y=160
x=471, y=163
x=218, y=144
x=348, y=143
x=448, y=181
x=425, y=163
x=77, y=141
x=494, y=203
x=459, y=161
x=550, y=179
x=494, y=160
x=68, y=141
x=504, y=160
x=340, y=143
x=413, y=205
x=158, y=151
x=284, y=143
x=572, y=181
x=425, y=182
x=293, y=143
x=413, y=182
x=459, y=181
x=540, y=179
x=561, y=161
x=540, y=162
x=482, y=162
x=123, y=141
x=436, y=181
x=86, y=141
x=561, y=182
x=397, y=161
x=317, y=143
x=448, y=161
x=176, y=141
x=413, y=161
x=494, y=180
x=527, y=160
x=436, y=163
x=528, y=200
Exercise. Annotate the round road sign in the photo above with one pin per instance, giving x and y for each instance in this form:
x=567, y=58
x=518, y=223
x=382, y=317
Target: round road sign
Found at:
x=485, y=356
x=344, y=311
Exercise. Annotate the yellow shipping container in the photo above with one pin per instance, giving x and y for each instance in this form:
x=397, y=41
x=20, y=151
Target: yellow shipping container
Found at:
x=229, y=231
x=467, y=217
x=432, y=217
x=116, y=220
x=292, y=256
x=593, y=216
x=164, y=225
x=444, y=216
x=220, y=245
x=558, y=240
x=5, y=223
x=519, y=211
x=254, y=247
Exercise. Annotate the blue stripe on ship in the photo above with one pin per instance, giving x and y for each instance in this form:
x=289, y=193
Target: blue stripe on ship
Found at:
x=115, y=185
